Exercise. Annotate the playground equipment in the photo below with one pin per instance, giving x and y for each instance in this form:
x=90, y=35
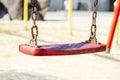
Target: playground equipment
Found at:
x=70, y=16
x=26, y=13
x=117, y=27
x=89, y=46
x=117, y=34
x=113, y=26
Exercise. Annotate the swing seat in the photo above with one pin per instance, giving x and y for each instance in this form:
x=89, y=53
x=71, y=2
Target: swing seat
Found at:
x=62, y=49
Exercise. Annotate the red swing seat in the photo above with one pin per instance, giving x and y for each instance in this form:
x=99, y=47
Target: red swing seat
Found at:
x=62, y=49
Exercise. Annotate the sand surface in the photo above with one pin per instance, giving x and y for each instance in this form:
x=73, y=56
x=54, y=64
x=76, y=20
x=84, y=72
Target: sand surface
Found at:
x=98, y=66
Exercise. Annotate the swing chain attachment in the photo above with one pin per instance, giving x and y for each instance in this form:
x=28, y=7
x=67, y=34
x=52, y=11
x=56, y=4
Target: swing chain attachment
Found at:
x=34, y=28
x=93, y=38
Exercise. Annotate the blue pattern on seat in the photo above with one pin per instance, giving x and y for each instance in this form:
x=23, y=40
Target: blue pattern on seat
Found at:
x=66, y=46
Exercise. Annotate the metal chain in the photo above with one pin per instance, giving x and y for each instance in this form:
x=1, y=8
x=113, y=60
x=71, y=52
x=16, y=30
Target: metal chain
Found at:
x=34, y=28
x=93, y=38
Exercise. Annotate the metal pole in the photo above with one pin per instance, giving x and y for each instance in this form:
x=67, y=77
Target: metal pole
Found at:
x=117, y=28
x=117, y=33
x=26, y=13
x=113, y=26
x=70, y=15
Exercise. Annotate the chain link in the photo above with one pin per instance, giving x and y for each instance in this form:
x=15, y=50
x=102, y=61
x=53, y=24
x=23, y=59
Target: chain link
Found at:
x=93, y=38
x=34, y=28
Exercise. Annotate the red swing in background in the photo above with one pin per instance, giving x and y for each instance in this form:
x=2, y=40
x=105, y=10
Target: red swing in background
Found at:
x=85, y=47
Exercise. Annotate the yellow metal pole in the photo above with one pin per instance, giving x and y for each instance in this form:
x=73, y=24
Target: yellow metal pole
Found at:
x=70, y=15
x=117, y=29
x=26, y=13
x=117, y=33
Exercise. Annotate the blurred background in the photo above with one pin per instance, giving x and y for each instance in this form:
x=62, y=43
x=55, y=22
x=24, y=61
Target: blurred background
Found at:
x=16, y=10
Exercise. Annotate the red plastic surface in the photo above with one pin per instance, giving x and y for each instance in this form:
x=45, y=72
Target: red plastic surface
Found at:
x=62, y=49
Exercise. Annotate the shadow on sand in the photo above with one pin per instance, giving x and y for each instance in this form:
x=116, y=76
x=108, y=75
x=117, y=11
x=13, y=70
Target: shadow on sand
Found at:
x=109, y=56
x=19, y=75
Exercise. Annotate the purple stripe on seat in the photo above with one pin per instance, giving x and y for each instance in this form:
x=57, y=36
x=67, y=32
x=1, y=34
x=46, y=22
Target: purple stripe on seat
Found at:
x=66, y=46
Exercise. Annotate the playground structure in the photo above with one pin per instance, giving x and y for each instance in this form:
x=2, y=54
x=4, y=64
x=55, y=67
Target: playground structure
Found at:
x=89, y=46
x=59, y=50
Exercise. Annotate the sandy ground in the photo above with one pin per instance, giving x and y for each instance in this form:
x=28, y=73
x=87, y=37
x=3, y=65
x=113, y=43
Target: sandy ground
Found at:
x=98, y=66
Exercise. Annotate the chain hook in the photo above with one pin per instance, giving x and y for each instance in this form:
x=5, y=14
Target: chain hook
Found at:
x=34, y=32
x=93, y=38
